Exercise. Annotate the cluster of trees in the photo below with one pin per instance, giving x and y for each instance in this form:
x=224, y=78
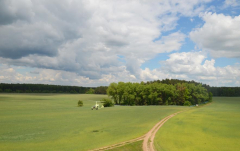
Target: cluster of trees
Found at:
x=157, y=93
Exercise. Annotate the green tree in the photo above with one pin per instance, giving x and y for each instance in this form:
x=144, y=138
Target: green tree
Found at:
x=181, y=91
x=90, y=91
x=120, y=91
x=112, y=91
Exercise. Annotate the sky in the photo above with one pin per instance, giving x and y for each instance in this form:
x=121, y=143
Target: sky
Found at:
x=97, y=42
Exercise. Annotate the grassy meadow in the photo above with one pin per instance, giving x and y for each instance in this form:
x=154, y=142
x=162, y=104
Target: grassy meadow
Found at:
x=208, y=128
x=54, y=122
x=135, y=146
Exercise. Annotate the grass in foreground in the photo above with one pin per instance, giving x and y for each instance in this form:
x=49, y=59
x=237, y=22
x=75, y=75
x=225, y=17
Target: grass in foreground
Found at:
x=54, y=122
x=208, y=128
x=136, y=146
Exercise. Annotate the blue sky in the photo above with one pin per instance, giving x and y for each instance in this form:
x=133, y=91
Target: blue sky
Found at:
x=96, y=42
x=185, y=25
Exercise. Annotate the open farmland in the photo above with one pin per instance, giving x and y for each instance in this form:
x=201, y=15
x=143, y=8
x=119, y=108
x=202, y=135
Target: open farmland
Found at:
x=54, y=122
x=208, y=128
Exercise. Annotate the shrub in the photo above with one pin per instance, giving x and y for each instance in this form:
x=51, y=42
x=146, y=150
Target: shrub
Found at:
x=107, y=102
x=80, y=103
x=187, y=103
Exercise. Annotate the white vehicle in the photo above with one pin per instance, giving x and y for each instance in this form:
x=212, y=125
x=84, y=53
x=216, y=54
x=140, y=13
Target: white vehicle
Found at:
x=97, y=106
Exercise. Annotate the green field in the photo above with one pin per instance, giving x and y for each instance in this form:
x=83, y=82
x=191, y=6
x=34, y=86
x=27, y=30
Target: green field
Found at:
x=136, y=146
x=208, y=128
x=54, y=122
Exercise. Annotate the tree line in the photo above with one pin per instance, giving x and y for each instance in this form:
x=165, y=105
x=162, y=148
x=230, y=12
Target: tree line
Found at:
x=216, y=91
x=225, y=91
x=157, y=93
x=98, y=90
x=45, y=88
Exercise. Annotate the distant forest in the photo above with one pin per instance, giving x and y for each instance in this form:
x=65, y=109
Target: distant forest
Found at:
x=45, y=88
x=216, y=91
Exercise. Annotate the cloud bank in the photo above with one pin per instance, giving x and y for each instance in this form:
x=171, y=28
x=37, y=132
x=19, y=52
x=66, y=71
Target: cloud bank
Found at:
x=96, y=42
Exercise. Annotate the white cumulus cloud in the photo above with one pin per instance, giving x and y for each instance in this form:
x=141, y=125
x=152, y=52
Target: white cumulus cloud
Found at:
x=220, y=35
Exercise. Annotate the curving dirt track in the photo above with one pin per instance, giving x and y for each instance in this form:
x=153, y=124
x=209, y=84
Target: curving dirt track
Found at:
x=147, y=138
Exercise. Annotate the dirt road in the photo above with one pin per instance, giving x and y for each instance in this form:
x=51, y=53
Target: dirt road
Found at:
x=147, y=138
